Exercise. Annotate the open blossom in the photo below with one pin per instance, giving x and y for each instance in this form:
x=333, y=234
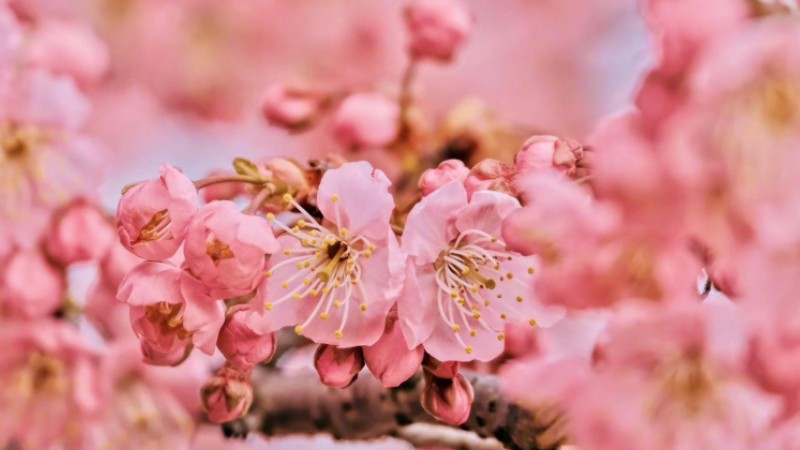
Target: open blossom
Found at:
x=467, y=284
x=337, y=278
x=50, y=386
x=152, y=216
x=226, y=249
x=167, y=320
x=366, y=120
x=30, y=287
x=437, y=28
x=42, y=152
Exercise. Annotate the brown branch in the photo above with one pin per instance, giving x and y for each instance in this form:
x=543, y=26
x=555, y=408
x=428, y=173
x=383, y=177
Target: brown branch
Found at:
x=300, y=404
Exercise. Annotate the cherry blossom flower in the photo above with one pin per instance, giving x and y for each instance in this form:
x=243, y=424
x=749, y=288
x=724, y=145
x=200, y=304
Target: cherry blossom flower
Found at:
x=226, y=249
x=81, y=232
x=366, y=120
x=228, y=395
x=337, y=278
x=291, y=108
x=152, y=217
x=438, y=28
x=166, y=315
x=448, y=399
x=467, y=283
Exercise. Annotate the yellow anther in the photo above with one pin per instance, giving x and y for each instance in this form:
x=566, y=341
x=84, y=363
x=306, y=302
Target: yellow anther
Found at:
x=473, y=333
x=456, y=328
x=301, y=223
x=499, y=295
x=268, y=273
x=337, y=303
x=306, y=281
x=305, y=242
x=338, y=334
x=501, y=336
x=268, y=306
x=487, y=303
x=287, y=198
x=504, y=316
x=175, y=322
x=519, y=299
x=344, y=232
x=326, y=290
x=532, y=322
x=299, y=266
x=476, y=315
x=298, y=329
x=367, y=254
x=335, y=198
x=287, y=252
x=295, y=229
x=371, y=247
x=364, y=307
x=465, y=271
x=474, y=288
x=270, y=217
x=314, y=292
x=493, y=239
x=296, y=296
x=354, y=281
x=285, y=285
x=531, y=270
x=323, y=316
x=469, y=349
x=510, y=275
x=454, y=294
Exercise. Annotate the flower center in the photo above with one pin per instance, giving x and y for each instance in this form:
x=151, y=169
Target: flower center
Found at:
x=326, y=267
x=158, y=227
x=168, y=318
x=481, y=281
x=218, y=250
x=688, y=382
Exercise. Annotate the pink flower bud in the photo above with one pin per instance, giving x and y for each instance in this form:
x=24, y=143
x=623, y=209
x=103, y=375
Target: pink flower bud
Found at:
x=289, y=175
x=439, y=369
x=156, y=355
x=225, y=249
x=291, y=108
x=228, y=395
x=437, y=28
x=491, y=175
x=445, y=172
x=241, y=346
x=338, y=367
x=80, y=233
x=152, y=216
x=548, y=152
x=390, y=360
x=366, y=120
x=68, y=48
x=448, y=400
x=31, y=287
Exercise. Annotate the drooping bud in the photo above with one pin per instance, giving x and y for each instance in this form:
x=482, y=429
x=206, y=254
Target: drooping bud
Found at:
x=80, y=233
x=549, y=153
x=437, y=28
x=241, y=346
x=228, y=395
x=390, y=359
x=338, y=367
x=445, y=172
x=366, y=120
x=448, y=400
x=291, y=108
x=289, y=175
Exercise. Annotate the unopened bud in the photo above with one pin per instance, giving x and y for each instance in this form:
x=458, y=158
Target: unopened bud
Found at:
x=338, y=367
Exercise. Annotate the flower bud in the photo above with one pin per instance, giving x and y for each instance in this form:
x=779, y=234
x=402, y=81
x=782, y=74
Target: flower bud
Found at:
x=390, y=360
x=491, y=175
x=437, y=28
x=366, y=120
x=338, y=367
x=548, y=152
x=228, y=395
x=80, y=233
x=441, y=369
x=152, y=216
x=448, y=400
x=291, y=108
x=288, y=174
x=31, y=287
x=241, y=346
x=445, y=172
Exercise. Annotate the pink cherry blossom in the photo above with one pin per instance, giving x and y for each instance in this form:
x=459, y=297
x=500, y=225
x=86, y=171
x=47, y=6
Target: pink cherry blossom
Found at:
x=30, y=286
x=68, y=48
x=338, y=367
x=337, y=278
x=167, y=320
x=51, y=385
x=437, y=28
x=366, y=120
x=445, y=172
x=152, y=217
x=81, y=232
x=226, y=249
x=548, y=152
x=242, y=347
x=491, y=175
x=467, y=283
x=390, y=359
